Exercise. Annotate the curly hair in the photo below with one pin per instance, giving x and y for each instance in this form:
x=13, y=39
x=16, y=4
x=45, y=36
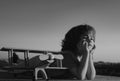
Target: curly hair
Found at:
x=72, y=37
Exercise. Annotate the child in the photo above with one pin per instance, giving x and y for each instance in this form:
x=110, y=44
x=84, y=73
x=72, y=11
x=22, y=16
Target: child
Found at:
x=78, y=47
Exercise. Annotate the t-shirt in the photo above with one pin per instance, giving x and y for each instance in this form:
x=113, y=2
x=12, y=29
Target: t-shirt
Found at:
x=69, y=61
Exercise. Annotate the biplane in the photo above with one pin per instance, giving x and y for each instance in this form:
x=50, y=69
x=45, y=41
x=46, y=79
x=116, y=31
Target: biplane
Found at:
x=28, y=64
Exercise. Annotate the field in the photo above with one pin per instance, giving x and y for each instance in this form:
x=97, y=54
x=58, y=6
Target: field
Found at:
x=9, y=77
x=98, y=78
x=104, y=78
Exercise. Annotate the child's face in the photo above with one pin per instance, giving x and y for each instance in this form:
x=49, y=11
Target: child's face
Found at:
x=87, y=37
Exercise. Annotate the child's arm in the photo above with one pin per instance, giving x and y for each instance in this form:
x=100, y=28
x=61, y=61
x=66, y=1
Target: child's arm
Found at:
x=91, y=72
x=81, y=68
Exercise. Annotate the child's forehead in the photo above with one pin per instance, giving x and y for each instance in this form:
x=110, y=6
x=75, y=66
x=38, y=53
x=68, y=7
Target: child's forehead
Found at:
x=90, y=33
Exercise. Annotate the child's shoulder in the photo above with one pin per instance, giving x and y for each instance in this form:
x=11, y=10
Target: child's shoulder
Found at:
x=67, y=53
x=70, y=56
x=69, y=59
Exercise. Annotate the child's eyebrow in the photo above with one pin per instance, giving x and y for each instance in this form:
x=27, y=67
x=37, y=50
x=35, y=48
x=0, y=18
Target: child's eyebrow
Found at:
x=85, y=36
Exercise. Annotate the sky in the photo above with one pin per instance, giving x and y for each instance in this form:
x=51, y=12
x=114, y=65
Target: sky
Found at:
x=42, y=24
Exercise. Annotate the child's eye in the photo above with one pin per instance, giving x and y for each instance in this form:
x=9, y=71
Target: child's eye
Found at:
x=85, y=37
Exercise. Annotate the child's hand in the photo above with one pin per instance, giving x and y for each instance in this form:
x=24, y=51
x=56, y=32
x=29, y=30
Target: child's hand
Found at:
x=83, y=48
x=89, y=47
x=92, y=50
x=86, y=48
x=92, y=47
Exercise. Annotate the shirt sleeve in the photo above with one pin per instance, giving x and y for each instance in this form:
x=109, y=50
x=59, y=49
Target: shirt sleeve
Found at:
x=69, y=61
